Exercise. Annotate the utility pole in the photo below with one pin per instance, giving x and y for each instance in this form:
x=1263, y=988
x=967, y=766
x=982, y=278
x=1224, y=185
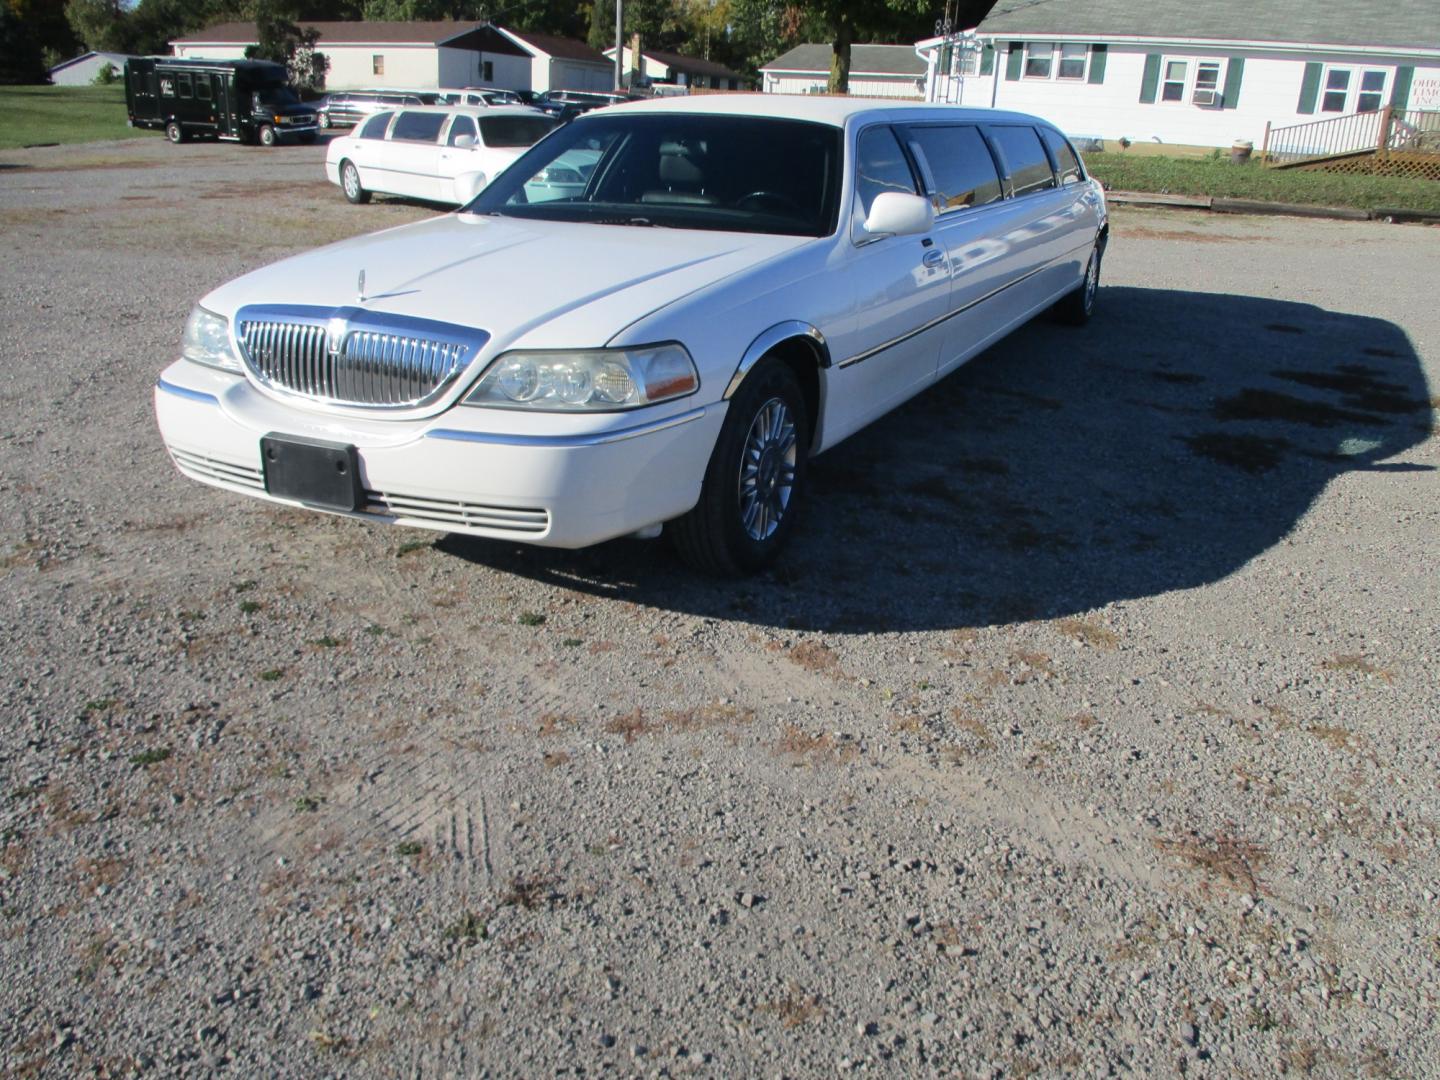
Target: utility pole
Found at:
x=619, y=45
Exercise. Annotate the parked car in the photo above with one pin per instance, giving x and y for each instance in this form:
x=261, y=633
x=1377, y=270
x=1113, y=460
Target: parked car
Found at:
x=571, y=103
x=477, y=95
x=238, y=100
x=440, y=153
x=740, y=284
x=348, y=108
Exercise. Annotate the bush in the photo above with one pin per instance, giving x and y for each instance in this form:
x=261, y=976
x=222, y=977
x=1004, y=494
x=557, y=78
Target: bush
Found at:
x=105, y=76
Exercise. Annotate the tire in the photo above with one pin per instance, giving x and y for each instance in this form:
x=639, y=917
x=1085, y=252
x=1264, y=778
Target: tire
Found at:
x=350, y=183
x=174, y=132
x=747, y=510
x=1076, y=308
x=267, y=135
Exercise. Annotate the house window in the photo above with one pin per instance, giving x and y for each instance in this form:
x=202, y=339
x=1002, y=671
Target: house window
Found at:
x=1207, y=83
x=1173, y=87
x=1072, y=61
x=377, y=64
x=487, y=71
x=1348, y=90
x=1039, y=56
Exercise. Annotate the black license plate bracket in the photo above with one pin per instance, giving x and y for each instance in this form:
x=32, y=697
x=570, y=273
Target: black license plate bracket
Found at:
x=312, y=471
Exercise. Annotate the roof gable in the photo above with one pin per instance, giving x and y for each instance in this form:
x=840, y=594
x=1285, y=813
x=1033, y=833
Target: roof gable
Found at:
x=1404, y=23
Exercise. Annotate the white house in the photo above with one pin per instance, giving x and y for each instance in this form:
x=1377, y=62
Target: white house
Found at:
x=81, y=70
x=1174, y=71
x=677, y=70
x=426, y=55
x=884, y=71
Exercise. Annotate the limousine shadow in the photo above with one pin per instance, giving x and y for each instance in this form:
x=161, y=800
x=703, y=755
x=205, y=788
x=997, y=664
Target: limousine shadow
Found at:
x=1177, y=437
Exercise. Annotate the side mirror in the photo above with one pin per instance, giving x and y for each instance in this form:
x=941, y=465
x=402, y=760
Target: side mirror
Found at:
x=464, y=142
x=896, y=214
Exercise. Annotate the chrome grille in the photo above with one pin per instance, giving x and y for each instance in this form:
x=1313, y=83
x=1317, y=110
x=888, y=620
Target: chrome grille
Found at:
x=457, y=515
x=347, y=356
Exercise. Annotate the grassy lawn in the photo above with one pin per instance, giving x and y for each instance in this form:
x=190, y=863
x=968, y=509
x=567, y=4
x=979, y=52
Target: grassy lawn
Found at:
x=63, y=114
x=1179, y=176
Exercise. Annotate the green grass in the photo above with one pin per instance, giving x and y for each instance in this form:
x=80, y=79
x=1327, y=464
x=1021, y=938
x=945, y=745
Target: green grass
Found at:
x=1220, y=179
x=63, y=114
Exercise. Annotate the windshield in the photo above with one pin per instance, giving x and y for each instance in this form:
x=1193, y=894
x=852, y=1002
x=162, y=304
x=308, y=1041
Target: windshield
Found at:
x=684, y=171
x=514, y=130
x=276, y=95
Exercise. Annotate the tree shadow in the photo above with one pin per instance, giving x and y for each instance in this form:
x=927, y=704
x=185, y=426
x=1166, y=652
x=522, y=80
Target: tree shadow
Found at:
x=1177, y=437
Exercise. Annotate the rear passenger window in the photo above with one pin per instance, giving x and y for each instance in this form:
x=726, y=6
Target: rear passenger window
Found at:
x=1025, y=158
x=375, y=127
x=418, y=127
x=880, y=166
x=1060, y=149
x=202, y=87
x=960, y=164
x=184, y=83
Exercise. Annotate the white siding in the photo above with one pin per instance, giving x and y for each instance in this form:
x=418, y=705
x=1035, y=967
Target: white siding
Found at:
x=572, y=75
x=83, y=72
x=406, y=66
x=1269, y=92
x=464, y=67
x=210, y=52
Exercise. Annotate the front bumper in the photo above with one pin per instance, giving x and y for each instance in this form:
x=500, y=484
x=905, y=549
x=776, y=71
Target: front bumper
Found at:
x=569, y=483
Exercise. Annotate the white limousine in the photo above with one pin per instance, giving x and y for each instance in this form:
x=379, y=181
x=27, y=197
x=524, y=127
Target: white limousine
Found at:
x=739, y=283
x=439, y=153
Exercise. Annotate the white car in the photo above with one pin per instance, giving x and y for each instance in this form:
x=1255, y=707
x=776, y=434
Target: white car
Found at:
x=440, y=153
x=740, y=283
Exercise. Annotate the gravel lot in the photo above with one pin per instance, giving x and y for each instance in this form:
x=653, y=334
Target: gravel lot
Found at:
x=1089, y=727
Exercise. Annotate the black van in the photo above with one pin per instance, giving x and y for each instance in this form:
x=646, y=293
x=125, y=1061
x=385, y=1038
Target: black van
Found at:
x=240, y=100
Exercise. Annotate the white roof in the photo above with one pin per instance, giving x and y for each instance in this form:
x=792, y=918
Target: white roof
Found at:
x=836, y=110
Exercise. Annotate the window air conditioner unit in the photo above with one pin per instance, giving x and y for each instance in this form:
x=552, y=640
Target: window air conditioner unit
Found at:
x=1205, y=97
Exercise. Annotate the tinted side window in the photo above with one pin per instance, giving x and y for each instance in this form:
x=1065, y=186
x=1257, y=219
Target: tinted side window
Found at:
x=184, y=83
x=462, y=125
x=963, y=169
x=1025, y=158
x=514, y=130
x=202, y=87
x=880, y=166
x=375, y=127
x=1064, y=155
x=418, y=127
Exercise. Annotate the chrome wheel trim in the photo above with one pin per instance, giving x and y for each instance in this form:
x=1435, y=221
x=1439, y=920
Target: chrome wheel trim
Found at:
x=352, y=181
x=767, y=469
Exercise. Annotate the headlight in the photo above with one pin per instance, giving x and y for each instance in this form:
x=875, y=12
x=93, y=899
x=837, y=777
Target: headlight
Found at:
x=207, y=341
x=602, y=380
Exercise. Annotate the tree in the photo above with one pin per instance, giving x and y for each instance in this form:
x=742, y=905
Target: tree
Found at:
x=20, y=57
x=101, y=25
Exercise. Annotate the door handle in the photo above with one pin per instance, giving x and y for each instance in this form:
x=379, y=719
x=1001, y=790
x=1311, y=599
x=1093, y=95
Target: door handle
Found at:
x=933, y=258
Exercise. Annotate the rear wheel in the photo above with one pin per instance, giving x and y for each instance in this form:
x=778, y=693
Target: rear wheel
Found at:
x=267, y=135
x=174, y=132
x=350, y=183
x=751, y=494
x=324, y=120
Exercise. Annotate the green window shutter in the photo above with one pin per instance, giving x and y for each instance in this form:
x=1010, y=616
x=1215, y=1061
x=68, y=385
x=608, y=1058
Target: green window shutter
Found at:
x=987, y=58
x=1098, y=53
x=1151, y=80
x=1309, y=88
x=1234, y=71
x=1014, y=60
x=1400, y=95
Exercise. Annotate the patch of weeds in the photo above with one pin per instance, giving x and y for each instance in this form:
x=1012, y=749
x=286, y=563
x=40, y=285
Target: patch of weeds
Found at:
x=467, y=930
x=1337, y=738
x=334, y=1044
x=794, y=1009
x=1261, y=1019
x=631, y=725
x=1089, y=633
x=817, y=749
x=407, y=848
x=531, y=618
x=975, y=728
x=573, y=642
x=1084, y=721
x=1356, y=664
x=924, y=685
x=244, y=586
x=306, y=804
x=1248, y=453
x=1234, y=861
x=99, y=705
x=375, y=630
x=191, y=616
x=249, y=607
x=152, y=756
x=409, y=547
x=529, y=891
x=556, y=759
x=328, y=642
x=272, y=674
x=814, y=656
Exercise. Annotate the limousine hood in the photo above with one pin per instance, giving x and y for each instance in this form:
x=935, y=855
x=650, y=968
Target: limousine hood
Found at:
x=531, y=284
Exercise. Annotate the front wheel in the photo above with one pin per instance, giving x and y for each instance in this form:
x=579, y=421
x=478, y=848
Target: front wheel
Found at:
x=751, y=494
x=174, y=132
x=350, y=183
x=324, y=120
x=1076, y=308
x=267, y=135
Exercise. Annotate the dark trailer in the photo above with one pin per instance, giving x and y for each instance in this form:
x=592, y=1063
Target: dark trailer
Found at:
x=240, y=100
